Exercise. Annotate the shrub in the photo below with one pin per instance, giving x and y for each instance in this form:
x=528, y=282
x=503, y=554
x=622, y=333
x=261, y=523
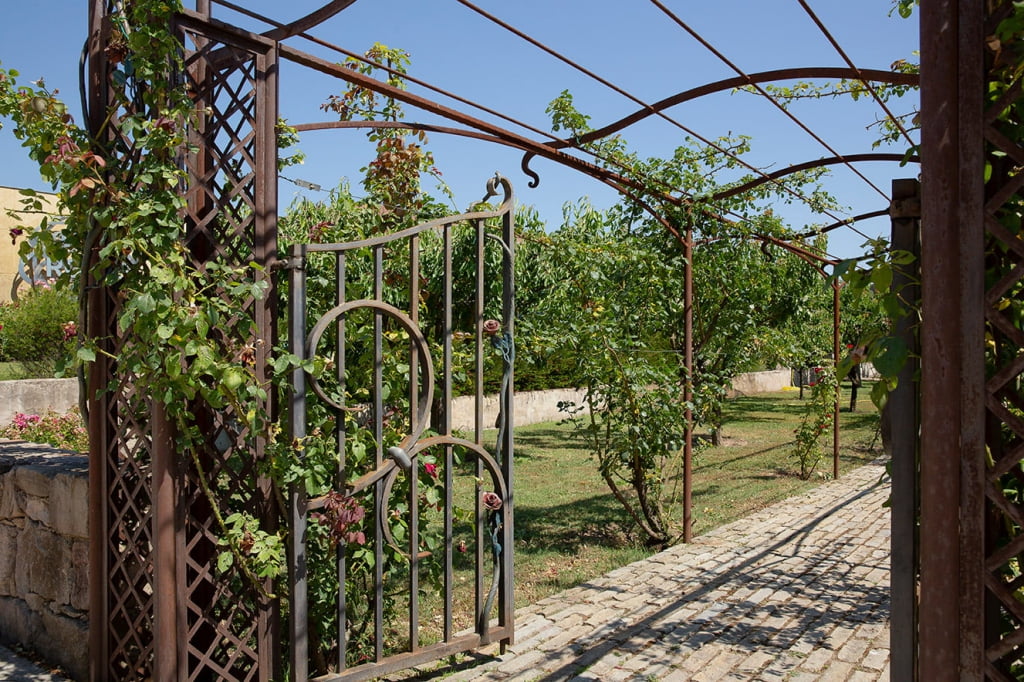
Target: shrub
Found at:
x=66, y=431
x=40, y=326
x=817, y=420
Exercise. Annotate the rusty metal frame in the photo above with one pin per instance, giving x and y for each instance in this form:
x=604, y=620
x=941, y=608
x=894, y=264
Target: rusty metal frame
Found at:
x=158, y=608
x=951, y=622
x=971, y=433
x=959, y=591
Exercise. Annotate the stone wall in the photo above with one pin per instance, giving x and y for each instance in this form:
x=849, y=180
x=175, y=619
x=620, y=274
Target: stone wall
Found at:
x=761, y=382
x=530, y=408
x=37, y=396
x=44, y=549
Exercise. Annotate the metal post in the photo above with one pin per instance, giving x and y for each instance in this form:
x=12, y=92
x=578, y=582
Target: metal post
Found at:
x=903, y=413
x=97, y=326
x=165, y=594
x=951, y=593
x=506, y=609
x=688, y=386
x=839, y=383
x=298, y=612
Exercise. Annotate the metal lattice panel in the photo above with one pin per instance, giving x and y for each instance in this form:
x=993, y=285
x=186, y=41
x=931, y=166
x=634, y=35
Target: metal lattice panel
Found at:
x=160, y=608
x=1004, y=387
x=227, y=620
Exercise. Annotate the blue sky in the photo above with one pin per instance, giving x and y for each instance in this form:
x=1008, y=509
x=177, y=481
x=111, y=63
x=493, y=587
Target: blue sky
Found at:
x=632, y=44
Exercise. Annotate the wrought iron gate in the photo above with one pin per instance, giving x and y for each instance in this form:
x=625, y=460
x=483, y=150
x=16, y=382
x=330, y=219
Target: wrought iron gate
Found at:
x=405, y=536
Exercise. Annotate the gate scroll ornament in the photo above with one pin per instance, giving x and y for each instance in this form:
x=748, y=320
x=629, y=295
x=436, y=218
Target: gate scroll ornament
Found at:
x=393, y=499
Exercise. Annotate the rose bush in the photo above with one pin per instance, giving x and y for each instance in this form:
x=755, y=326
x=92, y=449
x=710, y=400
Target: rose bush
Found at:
x=65, y=431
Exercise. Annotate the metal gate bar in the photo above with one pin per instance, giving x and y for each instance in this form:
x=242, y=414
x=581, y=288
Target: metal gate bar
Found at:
x=493, y=528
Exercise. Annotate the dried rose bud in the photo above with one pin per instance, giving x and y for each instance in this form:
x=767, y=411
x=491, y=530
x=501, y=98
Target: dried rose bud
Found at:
x=492, y=327
x=491, y=501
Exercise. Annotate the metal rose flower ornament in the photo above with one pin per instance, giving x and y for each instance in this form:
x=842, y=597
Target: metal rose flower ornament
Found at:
x=491, y=501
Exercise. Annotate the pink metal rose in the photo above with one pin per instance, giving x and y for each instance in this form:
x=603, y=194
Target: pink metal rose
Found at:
x=491, y=501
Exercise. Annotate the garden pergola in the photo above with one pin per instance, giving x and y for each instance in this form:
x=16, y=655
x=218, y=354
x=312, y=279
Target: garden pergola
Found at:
x=153, y=535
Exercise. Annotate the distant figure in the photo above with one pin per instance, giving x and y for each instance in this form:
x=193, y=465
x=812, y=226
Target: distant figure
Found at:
x=855, y=382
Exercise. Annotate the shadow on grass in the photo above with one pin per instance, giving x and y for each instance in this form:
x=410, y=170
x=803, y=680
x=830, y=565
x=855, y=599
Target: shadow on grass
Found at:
x=596, y=520
x=746, y=408
x=860, y=420
x=718, y=463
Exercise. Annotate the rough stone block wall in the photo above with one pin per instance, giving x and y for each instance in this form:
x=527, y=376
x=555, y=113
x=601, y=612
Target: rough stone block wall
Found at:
x=44, y=550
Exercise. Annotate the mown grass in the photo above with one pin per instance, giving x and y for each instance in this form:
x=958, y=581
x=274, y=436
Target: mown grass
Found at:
x=570, y=529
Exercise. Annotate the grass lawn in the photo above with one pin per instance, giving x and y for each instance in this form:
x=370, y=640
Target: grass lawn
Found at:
x=26, y=370
x=570, y=529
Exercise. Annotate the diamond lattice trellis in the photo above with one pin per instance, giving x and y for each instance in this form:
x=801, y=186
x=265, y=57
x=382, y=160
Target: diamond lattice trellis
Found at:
x=157, y=578
x=1004, y=384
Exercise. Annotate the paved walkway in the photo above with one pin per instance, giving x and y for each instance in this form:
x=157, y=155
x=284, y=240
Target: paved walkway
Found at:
x=797, y=592
x=14, y=668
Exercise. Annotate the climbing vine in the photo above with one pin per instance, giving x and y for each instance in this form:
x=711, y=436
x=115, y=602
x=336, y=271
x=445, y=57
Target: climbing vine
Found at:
x=120, y=190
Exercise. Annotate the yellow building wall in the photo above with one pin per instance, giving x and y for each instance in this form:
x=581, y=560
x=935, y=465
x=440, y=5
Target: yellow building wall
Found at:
x=13, y=277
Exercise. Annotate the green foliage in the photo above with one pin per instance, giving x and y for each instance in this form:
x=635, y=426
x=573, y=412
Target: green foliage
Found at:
x=185, y=330
x=817, y=419
x=606, y=313
x=65, y=431
x=755, y=308
x=904, y=7
x=40, y=326
x=392, y=177
x=287, y=137
x=754, y=303
x=876, y=307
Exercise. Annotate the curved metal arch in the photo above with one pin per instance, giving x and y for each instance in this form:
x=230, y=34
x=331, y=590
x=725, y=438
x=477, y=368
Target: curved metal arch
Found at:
x=891, y=77
x=494, y=133
x=619, y=183
x=307, y=22
x=807, y=165
x=881, y=76
x=406, y=125
x=828, y=228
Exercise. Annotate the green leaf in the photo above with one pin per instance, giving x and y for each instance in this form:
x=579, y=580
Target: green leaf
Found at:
x=891, y=356
x=881, y=277
x=161, y=274
x=880, y=394
x=86, y=354
x=145, y=302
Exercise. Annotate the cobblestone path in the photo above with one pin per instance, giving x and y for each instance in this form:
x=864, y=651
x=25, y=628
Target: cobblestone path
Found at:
x=799, y=591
